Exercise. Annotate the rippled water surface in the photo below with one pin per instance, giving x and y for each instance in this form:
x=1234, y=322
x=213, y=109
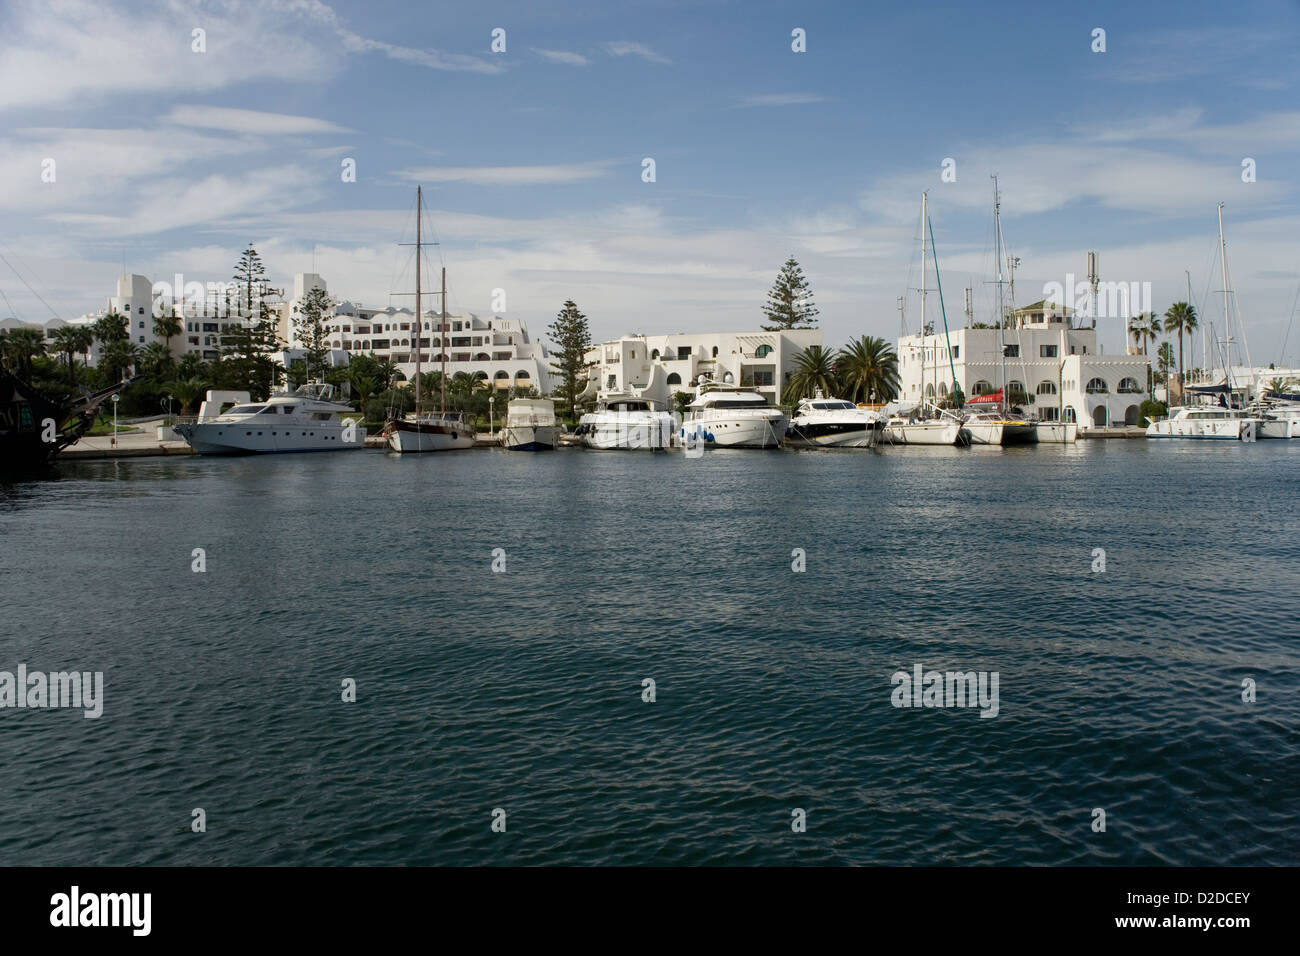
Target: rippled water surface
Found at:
x=522, y=690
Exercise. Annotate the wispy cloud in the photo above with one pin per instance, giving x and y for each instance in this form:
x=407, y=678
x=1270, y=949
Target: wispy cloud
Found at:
x=248, y=121
x=508, y=175
x=628, y=48
x=781, y=99
x=562, y=56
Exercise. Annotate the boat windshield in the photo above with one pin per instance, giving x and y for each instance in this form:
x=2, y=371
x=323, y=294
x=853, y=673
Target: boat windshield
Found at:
x=246, y=410
x=835, y=406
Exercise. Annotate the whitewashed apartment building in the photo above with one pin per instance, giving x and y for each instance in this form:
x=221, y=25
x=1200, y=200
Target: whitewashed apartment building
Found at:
x=1058, y=365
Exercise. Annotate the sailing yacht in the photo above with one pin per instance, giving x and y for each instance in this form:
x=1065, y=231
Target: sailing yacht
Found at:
x=924, y=425
x=992, y=426
x=1280, y=419
x=733, y=416
x=822, y=422
x=421, y=431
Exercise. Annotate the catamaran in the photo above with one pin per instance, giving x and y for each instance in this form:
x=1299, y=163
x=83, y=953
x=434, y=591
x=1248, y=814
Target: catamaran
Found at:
x=421, y=431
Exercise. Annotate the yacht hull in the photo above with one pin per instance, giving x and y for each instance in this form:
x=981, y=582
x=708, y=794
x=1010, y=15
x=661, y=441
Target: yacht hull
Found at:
x=1057, y=432
x=861, y=438
x=1278, y=428
x=530, y=437
x=407, y=437
x=737, y=432
x=225, y=438
x=622, y=432
x=923, y=433
x=984, y=433
x=1231, y=429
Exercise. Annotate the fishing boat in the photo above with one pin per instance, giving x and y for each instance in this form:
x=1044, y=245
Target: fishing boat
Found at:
x=821, y=422
x=530, y=425
x=306, y=419
x=35, y=427
x=422, y=431
x=724, y=415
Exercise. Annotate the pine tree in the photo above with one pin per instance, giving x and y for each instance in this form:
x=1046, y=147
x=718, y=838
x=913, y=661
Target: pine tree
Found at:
x=572, y=338
x=309, y=327
x=250, y=274
x=790, y=302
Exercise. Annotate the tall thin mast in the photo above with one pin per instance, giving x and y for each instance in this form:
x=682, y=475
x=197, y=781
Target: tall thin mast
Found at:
x=1227, y=317
x=419, y=201
x=923, y=221
x=997, y=251
x=443, y=376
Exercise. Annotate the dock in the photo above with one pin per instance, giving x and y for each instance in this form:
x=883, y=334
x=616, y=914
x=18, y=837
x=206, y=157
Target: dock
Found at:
x=136, y=444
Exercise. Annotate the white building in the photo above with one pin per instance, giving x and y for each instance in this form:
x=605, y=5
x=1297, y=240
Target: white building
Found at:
x=1054, y=369
x=763, y=359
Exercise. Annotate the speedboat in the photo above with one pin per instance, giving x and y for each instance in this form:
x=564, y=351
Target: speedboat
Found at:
x=625, y=422
x=429, y=431
x=530, y=425
x=1207, y=422
x=306, y=419
x=822, y=422
x=733, y=416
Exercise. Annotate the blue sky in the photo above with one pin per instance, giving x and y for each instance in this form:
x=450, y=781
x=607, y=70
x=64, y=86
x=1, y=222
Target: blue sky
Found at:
x=531, y=159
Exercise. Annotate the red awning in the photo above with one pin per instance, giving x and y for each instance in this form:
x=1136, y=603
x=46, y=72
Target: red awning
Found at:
x=992, y=398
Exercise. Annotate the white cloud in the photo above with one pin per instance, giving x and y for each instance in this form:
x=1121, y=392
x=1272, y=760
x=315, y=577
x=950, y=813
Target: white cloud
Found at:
x=562, y=56
x=248, y=121
x=628, y=48
x=507, y=175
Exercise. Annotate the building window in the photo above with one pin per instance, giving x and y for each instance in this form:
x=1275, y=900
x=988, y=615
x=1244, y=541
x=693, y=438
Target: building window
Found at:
x=762, y=379
x=674, y=379
x=956, y=351
x=683, y=352
x=1129, y=386
x=763, y=351
x=654, y=355
x=715, y=351
x=1011, y=351
x=1097, y=386
x=1047, y=351
x=1046, y=388
x=981, y=388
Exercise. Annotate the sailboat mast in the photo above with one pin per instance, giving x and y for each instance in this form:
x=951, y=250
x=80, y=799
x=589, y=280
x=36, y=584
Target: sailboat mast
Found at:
x=924, y=217
x=419, y=201
x=443, y=376
x=997, y=251
x=1227, y=317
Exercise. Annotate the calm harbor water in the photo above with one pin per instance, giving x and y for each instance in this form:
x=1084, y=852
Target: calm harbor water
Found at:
x=522, y=690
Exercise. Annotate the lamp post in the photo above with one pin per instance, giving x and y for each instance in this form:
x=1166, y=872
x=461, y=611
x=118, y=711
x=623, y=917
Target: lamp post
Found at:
x=492, y=403
x=115, y=400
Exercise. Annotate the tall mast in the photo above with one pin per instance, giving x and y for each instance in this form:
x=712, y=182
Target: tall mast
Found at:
x=443, y=376
x=419, y=321
x=997, y=251
x=1227, y=317
x=923, y=220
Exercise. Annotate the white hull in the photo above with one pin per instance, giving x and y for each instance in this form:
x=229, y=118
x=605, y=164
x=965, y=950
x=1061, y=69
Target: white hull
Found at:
x=1220, y=429
x=984, y=433
x=865, y=438
x=923, y=433
x=1279, y=428
x=1057, y=432
x=615, y=431
x=413, y=442
x=738, y=431
x=227, y=438
x=530, y=437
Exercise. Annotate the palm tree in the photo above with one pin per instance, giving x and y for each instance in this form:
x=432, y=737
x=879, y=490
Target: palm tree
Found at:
x=868, y=370
x=111, y=326
x=814, y=368
x=1180, y=318
x=68, y=341
x=19, y=347
x=118, y=356
x=186, y=391
x=156, y=360
x=363, y=386
x=167, y=326
x=1165, y=359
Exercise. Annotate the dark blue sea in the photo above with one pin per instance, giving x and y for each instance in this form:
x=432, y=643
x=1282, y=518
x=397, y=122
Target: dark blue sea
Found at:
x=522, y=690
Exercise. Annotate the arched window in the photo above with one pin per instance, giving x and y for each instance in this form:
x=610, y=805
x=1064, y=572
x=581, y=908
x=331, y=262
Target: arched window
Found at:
x=440, y=358
x=1099, y=416
x=1129, y=386
x=654, y=354
x=763, y=351
x=503, y=374
x=981, y=388
x=1069, y=413
x=522, y=374
x=1016, y=391
x=480, y=376
x=715, y=351
x=943, y=389
x=1046, y=388
x=929, y=391
x=482, y=357
x=1131, y=415
x=674, y=379
x=1097, y=386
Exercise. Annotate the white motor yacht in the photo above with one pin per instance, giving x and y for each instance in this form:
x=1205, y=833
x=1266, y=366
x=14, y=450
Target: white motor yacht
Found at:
x=307, y=419
x=626, y=422
x=733, y=416
x=530, y=425
x=822, y=422
x=1206, y=422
